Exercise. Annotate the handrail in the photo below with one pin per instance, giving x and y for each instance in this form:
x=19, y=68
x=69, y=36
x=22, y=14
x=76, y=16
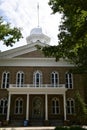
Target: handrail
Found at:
x=36, y=86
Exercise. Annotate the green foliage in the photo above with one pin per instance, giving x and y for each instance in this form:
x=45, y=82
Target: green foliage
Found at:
x=73, y=32
x=62, y=128
x=81, y=109
x=69, y=128
x=9, y=35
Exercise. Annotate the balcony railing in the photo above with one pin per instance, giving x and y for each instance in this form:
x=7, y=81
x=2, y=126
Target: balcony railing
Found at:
x=37, y=86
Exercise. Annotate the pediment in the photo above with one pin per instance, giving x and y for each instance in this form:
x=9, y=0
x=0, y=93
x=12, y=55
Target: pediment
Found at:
x=33, y=54
x=26, y=51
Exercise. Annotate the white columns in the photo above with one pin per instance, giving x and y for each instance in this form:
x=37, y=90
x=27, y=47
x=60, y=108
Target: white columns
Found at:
x=64, y=99
x=27, y=108
x=46, y=107
x=8, y=109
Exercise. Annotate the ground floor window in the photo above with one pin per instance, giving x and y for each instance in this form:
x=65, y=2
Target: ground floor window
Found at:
x=70, y=106
x=3, y=106
x=55, y=106
x=19, y=106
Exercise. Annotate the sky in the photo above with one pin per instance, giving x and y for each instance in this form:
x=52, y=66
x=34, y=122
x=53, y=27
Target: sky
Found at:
x=24, y=14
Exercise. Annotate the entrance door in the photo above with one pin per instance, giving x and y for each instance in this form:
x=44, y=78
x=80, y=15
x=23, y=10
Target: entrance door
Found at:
x=37, y=108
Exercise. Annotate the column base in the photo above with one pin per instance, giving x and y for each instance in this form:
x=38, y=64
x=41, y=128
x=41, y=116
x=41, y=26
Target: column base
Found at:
x=5, y=123
x=46, y=122
x=66, y=122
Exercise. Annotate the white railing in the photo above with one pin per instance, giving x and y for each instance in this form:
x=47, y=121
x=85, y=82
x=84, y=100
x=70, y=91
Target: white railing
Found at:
x=36, y=86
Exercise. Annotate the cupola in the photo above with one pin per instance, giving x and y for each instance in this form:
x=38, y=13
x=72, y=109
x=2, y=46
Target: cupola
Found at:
x=36, y=34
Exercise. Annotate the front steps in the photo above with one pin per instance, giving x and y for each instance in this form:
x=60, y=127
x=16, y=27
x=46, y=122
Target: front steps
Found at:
x=56, y=123
x=27, y=128
x=37, y=123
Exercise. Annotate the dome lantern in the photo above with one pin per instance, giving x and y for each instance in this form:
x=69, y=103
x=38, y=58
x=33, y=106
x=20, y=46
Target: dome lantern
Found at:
x=36, y=34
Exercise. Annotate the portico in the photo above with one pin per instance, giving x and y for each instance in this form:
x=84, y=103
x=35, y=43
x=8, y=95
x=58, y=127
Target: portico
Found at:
x=35, y=100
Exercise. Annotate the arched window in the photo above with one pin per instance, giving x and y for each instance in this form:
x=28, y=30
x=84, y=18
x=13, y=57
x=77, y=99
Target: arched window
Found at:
x=69, y=80
x=70, y=106
x=19, y=106
x=20, y=79
x=3, y=106
x=37, y=79
x=55, y=106
x=54, y=79
x=5, y=79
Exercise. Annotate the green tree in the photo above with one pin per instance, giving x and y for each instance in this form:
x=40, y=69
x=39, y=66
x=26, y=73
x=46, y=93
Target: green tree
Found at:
x=81, y=109
x=9, y=35
x=73, y=32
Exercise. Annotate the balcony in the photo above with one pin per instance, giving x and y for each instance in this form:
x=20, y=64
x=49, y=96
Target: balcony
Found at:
x=36, y=86
x=37, y=89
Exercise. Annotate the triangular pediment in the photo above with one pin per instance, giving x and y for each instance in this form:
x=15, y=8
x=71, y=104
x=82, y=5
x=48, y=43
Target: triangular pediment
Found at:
x=26, y=51
x=33, y=54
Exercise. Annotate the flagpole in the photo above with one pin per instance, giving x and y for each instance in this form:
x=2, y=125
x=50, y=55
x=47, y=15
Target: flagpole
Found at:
x=38, y=13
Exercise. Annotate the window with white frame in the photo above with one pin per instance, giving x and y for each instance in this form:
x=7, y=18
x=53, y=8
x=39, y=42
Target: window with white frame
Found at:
x=5, y=79
x=70, y=106
x=69, y=80
x=20, y=79
x=55, y=106
x=54, y=79
x=37, y=78
x=18, y=106
x=3, y=106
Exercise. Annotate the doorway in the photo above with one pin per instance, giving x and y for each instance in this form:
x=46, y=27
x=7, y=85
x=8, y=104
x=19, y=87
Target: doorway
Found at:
x=37, y=108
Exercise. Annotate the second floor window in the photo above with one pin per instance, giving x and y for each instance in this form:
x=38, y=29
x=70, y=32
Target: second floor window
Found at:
x=20, y=79
x=69, y=80
x=54, y=79
x=5, y=79
x=37, y=79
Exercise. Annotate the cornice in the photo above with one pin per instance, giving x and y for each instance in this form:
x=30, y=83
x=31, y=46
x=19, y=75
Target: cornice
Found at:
x=50, y=62
x=21, y=50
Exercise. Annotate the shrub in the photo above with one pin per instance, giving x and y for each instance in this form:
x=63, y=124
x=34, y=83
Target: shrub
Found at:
x=76, y=128
x=69, y=128
x=62, y=128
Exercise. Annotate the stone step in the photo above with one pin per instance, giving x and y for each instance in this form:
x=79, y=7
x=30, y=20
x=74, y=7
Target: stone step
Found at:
x=56, y=123
x=28, y=128
x=36, y=123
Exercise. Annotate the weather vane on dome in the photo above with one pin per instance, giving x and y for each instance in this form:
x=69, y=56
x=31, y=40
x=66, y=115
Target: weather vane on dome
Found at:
x=38, y=12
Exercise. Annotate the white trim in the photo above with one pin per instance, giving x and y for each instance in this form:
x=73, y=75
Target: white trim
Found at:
x=55, y=107
x=3, y=106
x=19, y=82
x=38, y=90
x=70, y=106
x=34, y=62
x=5, y=81
x=21, y=50
x=54, y=78
x=19, y=106
x=68, y=79
x=39, y=78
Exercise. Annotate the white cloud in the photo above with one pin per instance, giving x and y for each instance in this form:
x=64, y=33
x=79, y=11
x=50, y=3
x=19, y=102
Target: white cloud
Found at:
x=23, y=13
